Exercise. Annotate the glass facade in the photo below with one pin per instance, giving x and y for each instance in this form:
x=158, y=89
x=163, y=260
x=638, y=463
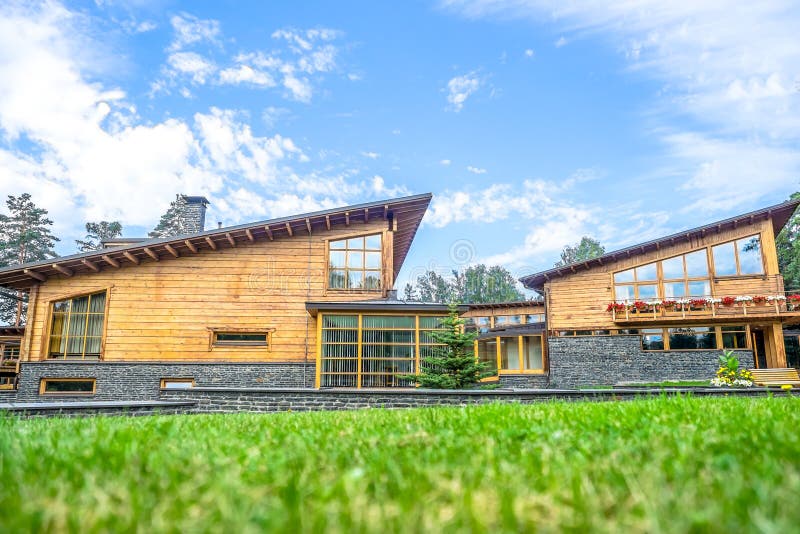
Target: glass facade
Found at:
x=76, y=330
x=359, y=350
x=355, y=263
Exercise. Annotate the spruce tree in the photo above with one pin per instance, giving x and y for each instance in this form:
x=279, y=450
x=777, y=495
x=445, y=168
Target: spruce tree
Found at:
x=96, y=233
x=173, y=222
x=453, y=364
x=24, y=237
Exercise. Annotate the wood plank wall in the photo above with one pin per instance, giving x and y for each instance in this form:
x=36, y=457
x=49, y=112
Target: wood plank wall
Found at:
x=577, y=301
x=163, y=310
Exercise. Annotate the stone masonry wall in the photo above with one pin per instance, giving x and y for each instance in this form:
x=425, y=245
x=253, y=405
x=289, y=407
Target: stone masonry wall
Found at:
x=524, y=381
x=142, y=381
x=605, y=360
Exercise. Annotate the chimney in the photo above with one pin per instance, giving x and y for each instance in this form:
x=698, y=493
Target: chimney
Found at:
x=195, y=214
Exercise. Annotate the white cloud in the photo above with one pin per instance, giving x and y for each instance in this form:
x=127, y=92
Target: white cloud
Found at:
x=190, y=30
x=529, y=53
x=460, y=88
x=445, y=162
x=729, y=75
x=85, y=154
x=561, y=41
x=245, y=75
x=476, y=170
x=271, y=115
x=198, y=68
x=370, y=155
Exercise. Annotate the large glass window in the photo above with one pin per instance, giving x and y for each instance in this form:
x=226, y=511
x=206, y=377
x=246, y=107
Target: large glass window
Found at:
x=355, y=263
x=681, y=276
x=652, y=339
x=510, y=354
x=517, y=354
x=740, y=257
x=692, y=338
x=375, y=350
x=487, y=352
x=76, y=330
x=734, y=337
x=532, y=353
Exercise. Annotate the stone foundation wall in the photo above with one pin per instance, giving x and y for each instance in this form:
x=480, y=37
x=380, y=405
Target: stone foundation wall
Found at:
x=142, y=380
x=606, y=360
x=525, y=381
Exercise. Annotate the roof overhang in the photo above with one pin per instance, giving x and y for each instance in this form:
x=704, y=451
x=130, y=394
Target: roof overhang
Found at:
x=505, y=305
x=374, y=306
x=779, y=214
x=404, y=213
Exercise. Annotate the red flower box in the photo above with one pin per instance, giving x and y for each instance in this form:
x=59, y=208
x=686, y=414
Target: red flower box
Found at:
x=759, y=299
x=728, y=301
x=697, y=303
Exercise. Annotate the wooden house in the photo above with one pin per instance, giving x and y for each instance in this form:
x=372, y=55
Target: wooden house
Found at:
x=665, y=309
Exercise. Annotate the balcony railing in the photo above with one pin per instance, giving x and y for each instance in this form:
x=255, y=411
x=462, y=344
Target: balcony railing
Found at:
x=705, y=306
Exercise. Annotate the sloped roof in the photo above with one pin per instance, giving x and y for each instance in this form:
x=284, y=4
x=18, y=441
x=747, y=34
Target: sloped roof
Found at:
x=779, y=213
x=406, y=211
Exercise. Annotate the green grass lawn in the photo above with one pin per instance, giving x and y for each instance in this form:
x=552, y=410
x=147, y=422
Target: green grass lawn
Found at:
x=658, y=465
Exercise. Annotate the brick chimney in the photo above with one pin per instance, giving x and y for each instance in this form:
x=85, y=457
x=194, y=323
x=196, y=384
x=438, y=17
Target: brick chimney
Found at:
x=195, y=214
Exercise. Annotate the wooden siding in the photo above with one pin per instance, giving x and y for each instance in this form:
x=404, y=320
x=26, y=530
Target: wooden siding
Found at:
x=163, y=310
x=578, y=301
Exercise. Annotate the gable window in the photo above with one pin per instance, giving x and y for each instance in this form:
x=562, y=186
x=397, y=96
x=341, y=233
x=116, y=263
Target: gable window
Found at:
x=355, y=263
x=76, y=329
x=740, y=257
x=686, y=275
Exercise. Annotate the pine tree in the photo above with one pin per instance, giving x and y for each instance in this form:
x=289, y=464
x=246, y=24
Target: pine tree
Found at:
x=96, y=233
x=24, y=237
x=173, y=222
x=453, y=364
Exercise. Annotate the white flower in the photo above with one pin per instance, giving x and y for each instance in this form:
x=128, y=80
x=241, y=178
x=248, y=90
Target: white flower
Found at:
x=712, y=300
x=744, y=298
x=682, y=301
x=776, y=297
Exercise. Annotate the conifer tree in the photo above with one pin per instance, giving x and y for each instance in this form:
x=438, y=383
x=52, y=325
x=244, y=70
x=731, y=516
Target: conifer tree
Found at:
x=96, y=233
x=173, y=222
x=24, y=237
x=453, y=364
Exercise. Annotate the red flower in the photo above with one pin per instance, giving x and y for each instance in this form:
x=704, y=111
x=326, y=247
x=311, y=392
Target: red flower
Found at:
x=668, y=303
x=697, y=303
x=728, y=301
x=794, y=299
x=640, y=305
x=759, y=299
x=615, y=306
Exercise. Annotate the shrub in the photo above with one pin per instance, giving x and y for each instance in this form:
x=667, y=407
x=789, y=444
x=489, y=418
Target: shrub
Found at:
x=729, y=374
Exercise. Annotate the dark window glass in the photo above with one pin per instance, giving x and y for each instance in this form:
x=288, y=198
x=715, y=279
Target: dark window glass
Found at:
x=653, y=339
x=68, y=386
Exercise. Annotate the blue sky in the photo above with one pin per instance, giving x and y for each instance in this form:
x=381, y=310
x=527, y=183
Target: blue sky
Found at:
x=532, y=123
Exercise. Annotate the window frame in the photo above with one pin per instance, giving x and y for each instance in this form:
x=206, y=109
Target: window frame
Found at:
x=177, y=380
x=44, y=349
x=718, y=335
x=47, y=380
x=214, y=344
x=382, y=270
x=739, y=274
x=520, y=343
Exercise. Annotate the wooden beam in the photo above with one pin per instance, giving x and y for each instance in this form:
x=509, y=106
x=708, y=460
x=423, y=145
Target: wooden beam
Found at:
x=308, y=226
x=366, y=215
x=231, y=240
x=190, y=246
x=249, y=235
x=133, y=259
x=269, y=232
x=151, y=253
x=385, y=212
x=347, y=218
x=211, y=243
x=111, y=261
x=91, y=265
x=171, y=250
x=36, y=276
x=289, y=229
x=63, y=270
x=328, y=221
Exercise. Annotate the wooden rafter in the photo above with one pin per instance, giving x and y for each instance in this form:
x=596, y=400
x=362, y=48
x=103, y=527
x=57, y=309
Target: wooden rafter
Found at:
x=269, y=232
x=63, y=270
x=366, y=215
x=386, y=212
x=190, y=246
x=91, y=265
x=133, y=259
x=211, y=243
x=171, y=250
x=37, y=276
x=230, y=239
x=328, y=222
x=151, y=253
x=308, y=225
x=249, y=235
x=289, y=229
x=111, y=261
x=347, y=218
